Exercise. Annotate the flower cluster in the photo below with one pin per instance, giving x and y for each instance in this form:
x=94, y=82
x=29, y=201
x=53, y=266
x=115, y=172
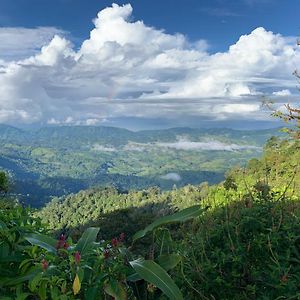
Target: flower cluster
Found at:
x=115, y=242
x=62, y=243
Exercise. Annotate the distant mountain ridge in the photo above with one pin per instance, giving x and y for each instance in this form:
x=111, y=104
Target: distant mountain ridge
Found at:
x=120, y=136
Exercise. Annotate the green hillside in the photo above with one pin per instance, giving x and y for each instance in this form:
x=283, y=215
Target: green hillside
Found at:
x=235, y=240
x=55, y=161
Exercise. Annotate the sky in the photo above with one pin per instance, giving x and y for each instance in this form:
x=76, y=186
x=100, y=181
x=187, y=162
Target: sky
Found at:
x=147, y=64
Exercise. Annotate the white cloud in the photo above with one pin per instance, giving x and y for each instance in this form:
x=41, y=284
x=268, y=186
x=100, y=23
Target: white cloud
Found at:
x=101, y=148
x=172, y=176
x=18, y=42
x=139, y=147
x=128, y=69
x=282, y=93
x=187, y=145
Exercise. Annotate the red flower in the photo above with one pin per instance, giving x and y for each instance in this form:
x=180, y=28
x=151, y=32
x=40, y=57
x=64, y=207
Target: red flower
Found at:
x=122, y=237
x=61, y=243
x=45, y=264
x=77, y=257
x=106, y=254
x=114, y=242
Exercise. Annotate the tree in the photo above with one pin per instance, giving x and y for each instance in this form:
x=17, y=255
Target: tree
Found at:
x=3, y=182
x=291, y=115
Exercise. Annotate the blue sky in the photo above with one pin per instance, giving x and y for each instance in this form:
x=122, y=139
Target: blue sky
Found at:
x=221, y=22
x=146, y=64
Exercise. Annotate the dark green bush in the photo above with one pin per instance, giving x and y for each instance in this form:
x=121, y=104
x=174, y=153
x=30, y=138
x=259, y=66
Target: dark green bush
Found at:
x=243, y=251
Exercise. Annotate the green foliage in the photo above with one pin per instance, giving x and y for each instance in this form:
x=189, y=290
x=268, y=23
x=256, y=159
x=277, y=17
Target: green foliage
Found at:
x=4, y=184
x=181, y=216
x=155, y=274
x=33, y=264
x=230, y=183
x=240, y=241
x=244, y=251
x=111, y=210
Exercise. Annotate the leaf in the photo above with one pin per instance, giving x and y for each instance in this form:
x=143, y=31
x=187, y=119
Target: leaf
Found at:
x=23, y=296
x=4, y=250
x=43, y=291
x=76, y=285
x=92, y=293
x=155, y=274
x=2, y=225
x=20, y=279
x=169, y=261
x=134, y=277
x=87, y=239
x=34, y=282
x=42, y=241
x=116, y=290
x=181, y=216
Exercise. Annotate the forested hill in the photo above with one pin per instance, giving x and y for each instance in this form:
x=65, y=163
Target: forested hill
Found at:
x=277, y=169
x=62, y=136
x=237, y=240
x=58, y=160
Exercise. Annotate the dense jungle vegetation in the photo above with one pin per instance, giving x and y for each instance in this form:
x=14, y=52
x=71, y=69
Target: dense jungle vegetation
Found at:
x=239, y=239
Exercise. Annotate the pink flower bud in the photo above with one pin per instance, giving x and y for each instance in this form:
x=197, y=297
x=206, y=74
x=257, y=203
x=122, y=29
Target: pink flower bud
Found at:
x=114, y=242
x=122, y=237
x=77, y=257
x=45, y=264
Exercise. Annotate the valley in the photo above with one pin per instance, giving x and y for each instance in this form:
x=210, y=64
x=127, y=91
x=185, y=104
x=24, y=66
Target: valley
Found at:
x=59, y=160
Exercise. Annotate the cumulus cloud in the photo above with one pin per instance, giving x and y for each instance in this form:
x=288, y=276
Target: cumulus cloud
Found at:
x=18, y=42
x=128, y=69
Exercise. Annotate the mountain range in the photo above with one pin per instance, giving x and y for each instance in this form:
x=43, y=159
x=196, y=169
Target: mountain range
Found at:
x=58, y=160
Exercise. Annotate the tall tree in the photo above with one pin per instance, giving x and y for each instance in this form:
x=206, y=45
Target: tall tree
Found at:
x=3, y=182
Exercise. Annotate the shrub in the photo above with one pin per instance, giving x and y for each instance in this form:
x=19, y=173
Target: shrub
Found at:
x=242, y=251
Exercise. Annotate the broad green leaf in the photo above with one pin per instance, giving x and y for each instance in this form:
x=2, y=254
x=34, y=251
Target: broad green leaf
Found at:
x=181, y=216
x=116, y=290
x=42, y=241
x=92, y=293
x=76, y=285
x=20, y=279
x=35, y=281
x=43, y=290
x=87, y=239
x=134, y=277
x=22, y=296
x=155, y=274
x=169, y=261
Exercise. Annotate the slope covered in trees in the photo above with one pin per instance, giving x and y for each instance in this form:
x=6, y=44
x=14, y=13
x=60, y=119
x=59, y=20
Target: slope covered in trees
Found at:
x=235, y=240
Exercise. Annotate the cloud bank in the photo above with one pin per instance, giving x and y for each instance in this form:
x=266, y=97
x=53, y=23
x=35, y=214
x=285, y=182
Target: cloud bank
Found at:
x=183, y=144
x=128, y=69
x=187, y=145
